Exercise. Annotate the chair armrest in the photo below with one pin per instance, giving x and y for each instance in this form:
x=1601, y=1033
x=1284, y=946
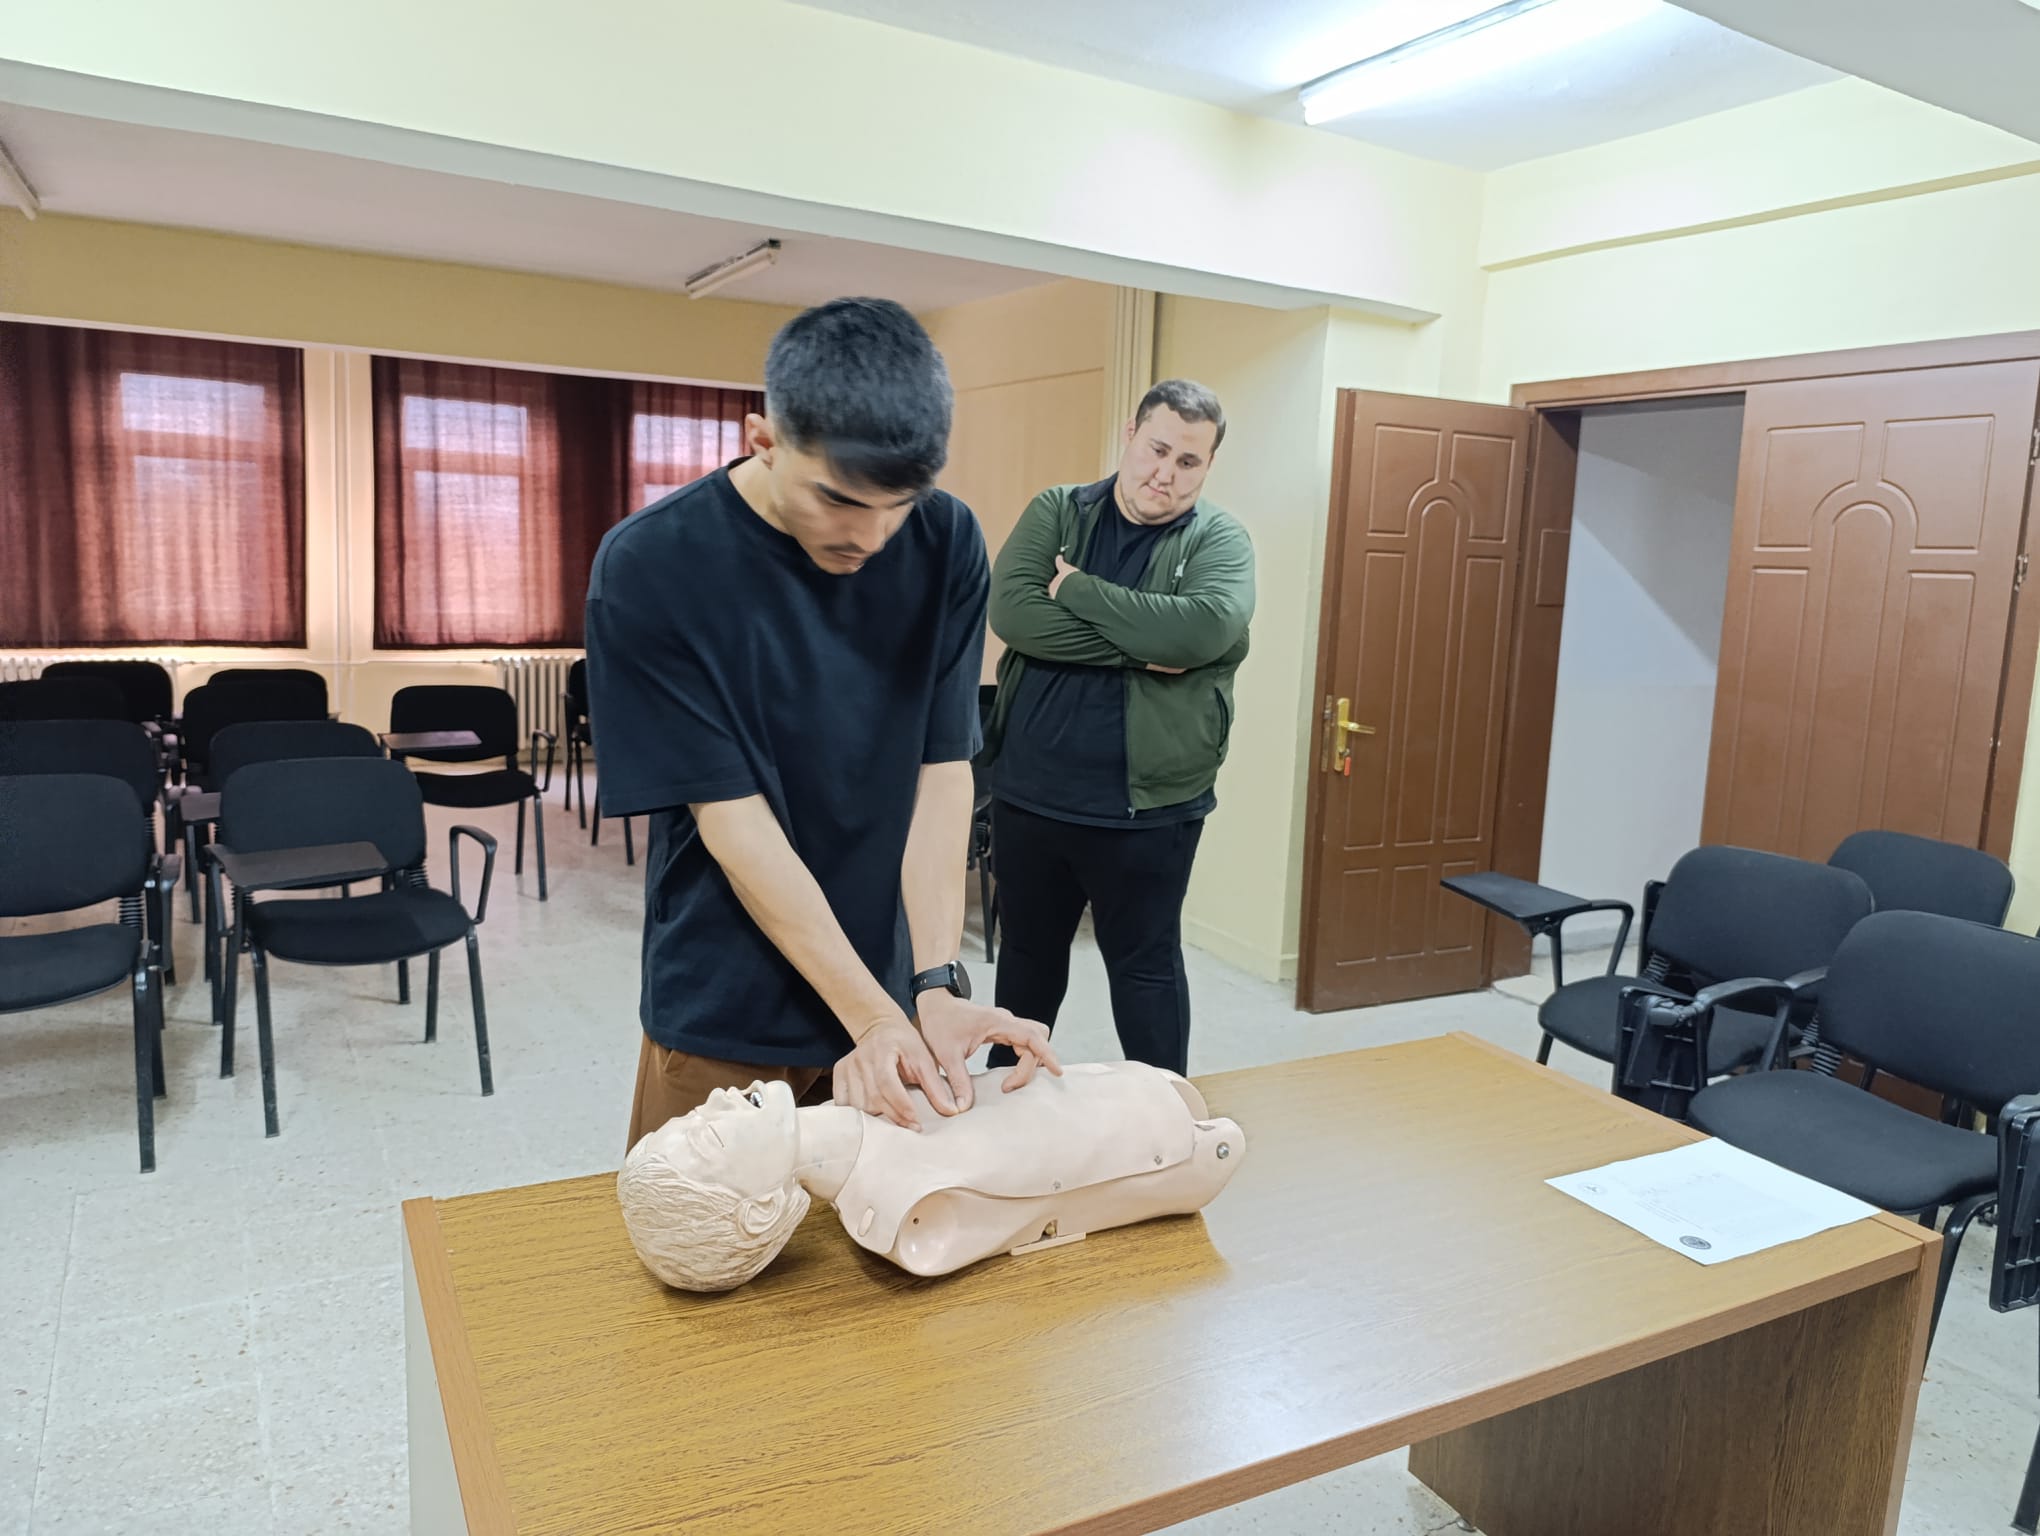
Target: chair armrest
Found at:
x=295, y=869
x=1661, y=1039
x=1621, y=938
x=2015, y=1265
x=552, y=743
x=488, y=865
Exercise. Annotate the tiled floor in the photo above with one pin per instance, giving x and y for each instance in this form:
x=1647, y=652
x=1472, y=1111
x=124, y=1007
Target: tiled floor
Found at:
x=217, y=1348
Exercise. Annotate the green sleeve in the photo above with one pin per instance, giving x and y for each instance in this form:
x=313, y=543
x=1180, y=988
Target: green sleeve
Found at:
x=1023, y=614
x=1197, y=624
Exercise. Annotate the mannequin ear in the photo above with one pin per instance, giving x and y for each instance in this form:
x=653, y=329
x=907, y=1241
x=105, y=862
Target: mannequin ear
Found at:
x=760, y=1215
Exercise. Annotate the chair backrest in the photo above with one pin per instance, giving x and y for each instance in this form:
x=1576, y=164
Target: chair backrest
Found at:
x=269, y=741
x=1951, y=1005
x=276, y=677
x=307, y=802
x=68, y=841
x=144, y=684
x=211, y=708
x=62, y=698
x=1919, y=874
x=577, y=687
x=117, y=749
x=1726, y=913
x=489, y=712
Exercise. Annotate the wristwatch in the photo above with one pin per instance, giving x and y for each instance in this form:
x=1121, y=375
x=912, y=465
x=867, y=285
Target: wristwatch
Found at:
x=951, y=978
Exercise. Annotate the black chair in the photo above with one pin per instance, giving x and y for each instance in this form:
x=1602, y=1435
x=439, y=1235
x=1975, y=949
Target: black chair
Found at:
x=269, y=741
x=302, y=678
x=1723, y=913
x=273, y=741
x=62, y=698
x=580, y=741
x=1951, y=1005
x=1918, y=874
x=574, y=722
x=73, y=841
x=208, y=710
x=114, y=749
x=492, y=715
x=144, y=684
x=280, y=823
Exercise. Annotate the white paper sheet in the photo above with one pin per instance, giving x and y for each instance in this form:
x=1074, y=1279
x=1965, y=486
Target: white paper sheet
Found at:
x=1711, y=1201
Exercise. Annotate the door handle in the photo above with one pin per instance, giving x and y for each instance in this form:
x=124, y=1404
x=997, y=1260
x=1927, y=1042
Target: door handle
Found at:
x=1338, y=749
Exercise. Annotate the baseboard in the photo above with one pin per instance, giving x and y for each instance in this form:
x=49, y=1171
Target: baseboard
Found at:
x=1236, y=951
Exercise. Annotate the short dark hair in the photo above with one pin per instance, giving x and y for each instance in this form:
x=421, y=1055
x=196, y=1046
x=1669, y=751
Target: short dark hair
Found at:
x=1189, y=400
x=858, y=381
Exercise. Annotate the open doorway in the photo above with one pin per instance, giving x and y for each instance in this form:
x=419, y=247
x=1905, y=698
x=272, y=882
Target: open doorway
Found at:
x=1639, y=648
x=1874, y=668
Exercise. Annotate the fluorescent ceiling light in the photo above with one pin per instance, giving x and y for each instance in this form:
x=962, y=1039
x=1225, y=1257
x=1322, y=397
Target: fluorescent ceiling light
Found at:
x=722, y=273
x=1497, y=39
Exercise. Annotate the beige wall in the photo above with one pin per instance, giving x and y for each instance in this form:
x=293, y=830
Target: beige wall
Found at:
x=1030, y=372
x=342, y=306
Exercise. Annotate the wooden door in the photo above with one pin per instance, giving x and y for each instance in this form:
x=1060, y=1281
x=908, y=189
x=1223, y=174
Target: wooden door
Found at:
x=1877, y=529
x=1420, y=585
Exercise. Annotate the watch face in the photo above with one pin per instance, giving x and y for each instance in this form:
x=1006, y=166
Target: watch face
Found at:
x=959, y=982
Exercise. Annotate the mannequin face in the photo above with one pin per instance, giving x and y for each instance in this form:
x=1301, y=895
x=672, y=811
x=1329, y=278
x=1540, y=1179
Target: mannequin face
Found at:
x=746, y=1142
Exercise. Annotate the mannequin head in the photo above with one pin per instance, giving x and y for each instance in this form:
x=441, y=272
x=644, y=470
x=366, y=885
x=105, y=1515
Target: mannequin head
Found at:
x=710, y=1197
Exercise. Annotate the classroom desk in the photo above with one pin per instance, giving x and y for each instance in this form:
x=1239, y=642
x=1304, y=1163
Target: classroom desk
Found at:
x=1388, y=1269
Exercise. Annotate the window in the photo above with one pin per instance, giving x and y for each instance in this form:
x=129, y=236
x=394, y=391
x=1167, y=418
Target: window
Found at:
x=680, y=432
x=151, y=490
x=495, y=485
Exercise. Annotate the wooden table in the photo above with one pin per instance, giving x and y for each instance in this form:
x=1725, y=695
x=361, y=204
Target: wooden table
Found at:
x=1388, y=1269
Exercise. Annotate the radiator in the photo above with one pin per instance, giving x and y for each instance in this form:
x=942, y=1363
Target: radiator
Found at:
x=536, y=683
x=17, y=667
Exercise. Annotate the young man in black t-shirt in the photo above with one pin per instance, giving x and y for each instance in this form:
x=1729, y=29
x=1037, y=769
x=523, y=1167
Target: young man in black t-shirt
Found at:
x=783, y=664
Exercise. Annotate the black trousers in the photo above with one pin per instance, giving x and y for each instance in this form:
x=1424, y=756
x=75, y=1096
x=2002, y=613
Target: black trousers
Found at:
x=1134, y=880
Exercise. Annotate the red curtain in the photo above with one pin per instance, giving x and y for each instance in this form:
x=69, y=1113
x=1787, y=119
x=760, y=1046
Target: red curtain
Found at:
x=152, y=490
x=494, y=486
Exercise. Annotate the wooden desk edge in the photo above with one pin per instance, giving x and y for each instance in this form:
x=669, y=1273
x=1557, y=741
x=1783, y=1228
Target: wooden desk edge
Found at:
x=484, y=1494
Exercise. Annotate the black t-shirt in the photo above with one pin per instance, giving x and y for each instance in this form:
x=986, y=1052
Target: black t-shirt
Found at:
x=723, y=663
x=1064, y=751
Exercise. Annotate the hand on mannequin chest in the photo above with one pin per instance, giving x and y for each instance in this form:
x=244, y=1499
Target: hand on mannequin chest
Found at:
x=712, y=1196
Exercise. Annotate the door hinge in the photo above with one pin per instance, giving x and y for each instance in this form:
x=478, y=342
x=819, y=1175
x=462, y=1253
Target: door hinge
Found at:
x=2019, y=573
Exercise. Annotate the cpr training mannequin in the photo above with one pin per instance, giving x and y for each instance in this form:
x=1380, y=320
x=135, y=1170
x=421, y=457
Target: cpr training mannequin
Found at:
x=713, y=1195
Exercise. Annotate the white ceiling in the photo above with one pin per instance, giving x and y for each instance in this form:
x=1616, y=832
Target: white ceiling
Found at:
x=1666, y=68
x=1977, y=57
x=102, y=169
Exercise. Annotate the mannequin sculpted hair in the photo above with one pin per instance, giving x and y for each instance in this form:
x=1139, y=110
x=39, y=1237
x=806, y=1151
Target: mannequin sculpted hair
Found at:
x=699, y=1236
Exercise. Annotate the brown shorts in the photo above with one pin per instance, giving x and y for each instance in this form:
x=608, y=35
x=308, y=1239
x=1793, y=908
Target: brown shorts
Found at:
x=671, y=1083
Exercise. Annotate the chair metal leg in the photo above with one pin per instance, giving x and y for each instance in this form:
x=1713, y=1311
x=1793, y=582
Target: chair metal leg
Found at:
x=474, y=957
x=403, y=981
x=595, y=819
x=1959, y=1218
x=538, y=838
x=432, y=997
x=1544, y=1051
x=517, y=862
x=2028, y=1514
x=229, y=988
x=985, y=905
x=263, y=1043
x=629, y=845
x=581, y=781
x=145, y=1075
x=157, y=1081
x=191, y=862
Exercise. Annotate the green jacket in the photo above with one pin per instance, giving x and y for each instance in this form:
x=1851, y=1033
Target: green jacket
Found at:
x=1190, y=610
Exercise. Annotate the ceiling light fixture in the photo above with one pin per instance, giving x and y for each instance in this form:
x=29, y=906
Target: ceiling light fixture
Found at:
x=14, y=186
x=722, y=273
x=1505, y=35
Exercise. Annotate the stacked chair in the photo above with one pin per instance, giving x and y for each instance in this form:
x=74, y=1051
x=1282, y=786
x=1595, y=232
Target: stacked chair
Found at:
x=492, y=715
x=74, y=841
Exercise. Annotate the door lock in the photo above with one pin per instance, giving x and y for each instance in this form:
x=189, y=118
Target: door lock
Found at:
x=1344, y=727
